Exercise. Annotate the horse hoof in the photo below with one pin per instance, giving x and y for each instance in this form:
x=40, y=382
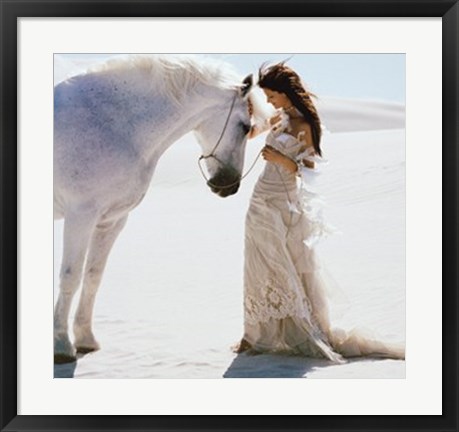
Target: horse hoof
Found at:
x=64, y=358
x=64, y=352
x=86, y=350
x=85, y=342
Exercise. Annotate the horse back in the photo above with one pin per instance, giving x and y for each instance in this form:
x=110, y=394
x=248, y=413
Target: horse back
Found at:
x=94, y=139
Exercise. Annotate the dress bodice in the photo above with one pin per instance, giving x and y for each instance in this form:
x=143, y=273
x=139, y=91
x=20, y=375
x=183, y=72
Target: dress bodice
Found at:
x=281, y=139
x=289, y=146
x=275, y=180
x=284, y=142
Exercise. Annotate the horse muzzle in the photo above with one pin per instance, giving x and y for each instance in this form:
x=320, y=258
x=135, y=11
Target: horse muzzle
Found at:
x=225, y=183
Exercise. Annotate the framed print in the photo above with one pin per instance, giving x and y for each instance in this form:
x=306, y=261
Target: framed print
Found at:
x=175, y=309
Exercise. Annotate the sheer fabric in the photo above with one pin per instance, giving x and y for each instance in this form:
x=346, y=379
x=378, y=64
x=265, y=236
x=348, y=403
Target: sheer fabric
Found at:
x=285, y=304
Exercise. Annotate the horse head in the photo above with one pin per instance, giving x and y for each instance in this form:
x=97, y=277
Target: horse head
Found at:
x=223, y=136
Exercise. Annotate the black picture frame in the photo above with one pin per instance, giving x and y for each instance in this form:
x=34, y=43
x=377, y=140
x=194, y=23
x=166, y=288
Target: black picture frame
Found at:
x=11, y=10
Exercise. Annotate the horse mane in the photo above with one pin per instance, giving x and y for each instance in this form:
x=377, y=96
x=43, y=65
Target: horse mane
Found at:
x=178, y=75
x=262, y=111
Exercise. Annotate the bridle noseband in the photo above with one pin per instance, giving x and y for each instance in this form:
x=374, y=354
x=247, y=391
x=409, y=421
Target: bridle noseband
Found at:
x=212, y=153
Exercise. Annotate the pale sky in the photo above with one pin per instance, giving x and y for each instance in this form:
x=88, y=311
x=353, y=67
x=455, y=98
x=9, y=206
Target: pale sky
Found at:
x=357, y=76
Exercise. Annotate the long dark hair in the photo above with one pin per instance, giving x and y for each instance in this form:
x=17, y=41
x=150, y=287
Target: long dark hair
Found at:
x=283, y=79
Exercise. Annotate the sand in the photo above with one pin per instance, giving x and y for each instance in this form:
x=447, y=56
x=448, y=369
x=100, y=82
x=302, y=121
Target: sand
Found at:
x=170, y=303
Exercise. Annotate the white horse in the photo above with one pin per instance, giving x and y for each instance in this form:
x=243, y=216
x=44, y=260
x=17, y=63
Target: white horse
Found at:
x=111, y=125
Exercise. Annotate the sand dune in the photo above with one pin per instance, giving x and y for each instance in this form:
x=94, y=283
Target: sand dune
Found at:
x=350, y=115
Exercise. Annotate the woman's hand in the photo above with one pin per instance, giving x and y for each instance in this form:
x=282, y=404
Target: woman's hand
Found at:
x=270, y=154
x=275, y=119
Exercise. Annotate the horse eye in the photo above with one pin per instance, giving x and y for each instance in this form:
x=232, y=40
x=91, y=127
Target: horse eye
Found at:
x=245, y=127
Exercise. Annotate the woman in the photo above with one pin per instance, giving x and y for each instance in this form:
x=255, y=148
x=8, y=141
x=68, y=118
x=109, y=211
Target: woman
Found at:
x=285, y=309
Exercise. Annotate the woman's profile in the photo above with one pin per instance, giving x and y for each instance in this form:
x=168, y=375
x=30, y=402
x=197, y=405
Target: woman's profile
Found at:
x=285, y=304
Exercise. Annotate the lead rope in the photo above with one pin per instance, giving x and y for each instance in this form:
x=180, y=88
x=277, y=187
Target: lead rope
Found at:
x=289, y=201
x=232, y=184
x=211, y=154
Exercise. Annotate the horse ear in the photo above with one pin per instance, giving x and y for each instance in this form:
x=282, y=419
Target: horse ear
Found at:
x=247, y=84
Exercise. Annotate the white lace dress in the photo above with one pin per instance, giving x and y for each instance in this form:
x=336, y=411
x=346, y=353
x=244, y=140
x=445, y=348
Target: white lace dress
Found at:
x=285, y=306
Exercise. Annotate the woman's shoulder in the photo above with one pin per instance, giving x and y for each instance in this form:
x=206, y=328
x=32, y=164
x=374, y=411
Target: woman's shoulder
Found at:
x=303, y=126
x=303, y=133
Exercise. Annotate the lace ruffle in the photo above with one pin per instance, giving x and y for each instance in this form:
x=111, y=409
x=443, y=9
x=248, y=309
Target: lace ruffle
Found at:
x=276, y=299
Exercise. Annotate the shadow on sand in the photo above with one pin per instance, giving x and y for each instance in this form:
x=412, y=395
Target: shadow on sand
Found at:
x=273, y=366
x=67, y=370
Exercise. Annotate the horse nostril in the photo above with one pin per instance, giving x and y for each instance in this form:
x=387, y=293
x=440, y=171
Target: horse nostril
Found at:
x=225, y=182
x=225, y=192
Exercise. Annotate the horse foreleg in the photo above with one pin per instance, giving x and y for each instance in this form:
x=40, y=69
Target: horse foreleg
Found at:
x=103, y=238
x=78, y=228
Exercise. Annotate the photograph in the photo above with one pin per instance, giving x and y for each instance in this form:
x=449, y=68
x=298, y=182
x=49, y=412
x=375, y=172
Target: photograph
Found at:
x=229, y=215
x=229, y=218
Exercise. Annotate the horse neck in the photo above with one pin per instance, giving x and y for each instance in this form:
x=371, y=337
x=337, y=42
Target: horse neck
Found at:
x=176, y=120
x=159, y=119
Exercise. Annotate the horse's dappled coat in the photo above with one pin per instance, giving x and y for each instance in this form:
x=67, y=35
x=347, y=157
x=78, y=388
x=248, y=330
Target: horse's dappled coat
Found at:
x=111, y=126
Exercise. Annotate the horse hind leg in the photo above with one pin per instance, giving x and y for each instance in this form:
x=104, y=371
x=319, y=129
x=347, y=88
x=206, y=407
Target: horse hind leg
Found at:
x=78, y=228
x=103, y=238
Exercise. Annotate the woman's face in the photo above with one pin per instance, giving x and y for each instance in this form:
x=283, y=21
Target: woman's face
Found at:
x=276, y=99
